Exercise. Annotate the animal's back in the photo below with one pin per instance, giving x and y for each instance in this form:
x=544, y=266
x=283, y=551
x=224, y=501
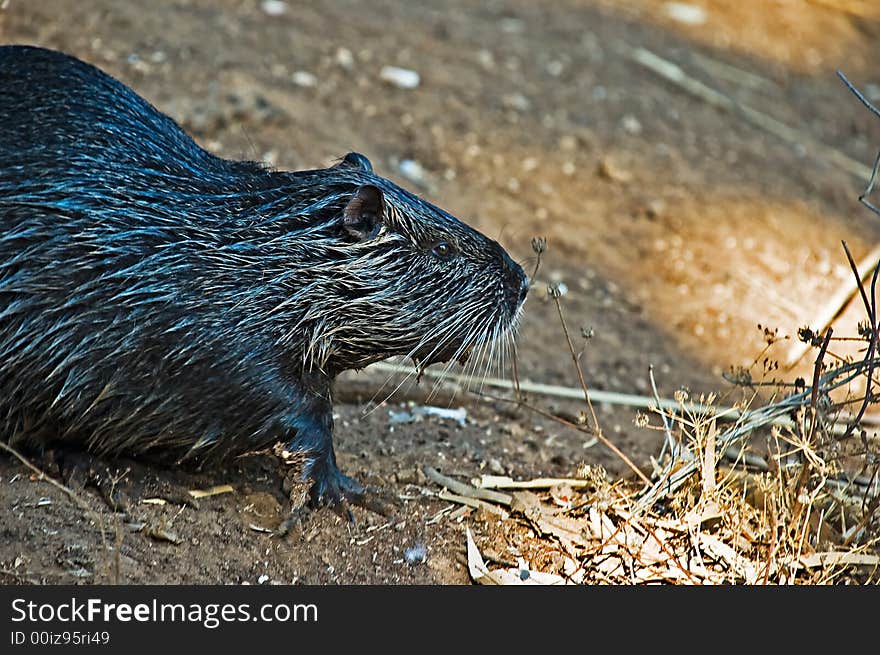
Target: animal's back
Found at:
x=58, y=113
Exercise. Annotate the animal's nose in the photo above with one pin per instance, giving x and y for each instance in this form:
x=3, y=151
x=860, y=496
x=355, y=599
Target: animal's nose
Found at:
x=517, y=281
x=524, y=289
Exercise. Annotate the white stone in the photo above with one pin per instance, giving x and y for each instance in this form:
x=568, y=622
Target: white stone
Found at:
x=685, y=13
x=402, y=78
x=304, y=78
x=344, y=58
x=273, y=7
x=412, y=170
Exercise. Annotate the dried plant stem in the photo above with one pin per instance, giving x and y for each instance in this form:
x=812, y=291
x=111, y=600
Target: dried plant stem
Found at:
x=577, y=364
x=871, y=310
x=517, y=389
x=670, y=554
x=866, y=519
x=817, y=373
x=463, y=489
x=670, y=441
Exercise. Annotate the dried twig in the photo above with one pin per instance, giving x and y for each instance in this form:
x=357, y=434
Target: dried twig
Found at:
x=869, y=359
x=775, y=413
x=576, y=359
x=504, y=482
x=608, y=397
x=468, y=501
x=814, y=393
x=670, y=441
x=467, y=490
x=869, y=188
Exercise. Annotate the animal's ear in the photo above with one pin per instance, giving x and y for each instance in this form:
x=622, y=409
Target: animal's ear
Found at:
x=356, y=161
x=362, y=216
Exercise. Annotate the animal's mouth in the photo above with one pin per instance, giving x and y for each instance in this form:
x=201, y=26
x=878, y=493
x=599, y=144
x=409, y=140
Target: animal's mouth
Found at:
x=439, y=353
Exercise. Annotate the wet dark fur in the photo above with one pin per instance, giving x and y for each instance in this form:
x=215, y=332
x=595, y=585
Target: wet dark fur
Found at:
x=155, y=298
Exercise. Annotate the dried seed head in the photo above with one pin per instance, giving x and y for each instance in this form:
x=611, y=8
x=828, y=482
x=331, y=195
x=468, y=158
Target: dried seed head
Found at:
x=805, y=334
x=594, y=474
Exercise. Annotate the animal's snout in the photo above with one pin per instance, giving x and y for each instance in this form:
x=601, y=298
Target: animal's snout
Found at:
x=524, y=289
x=516, y=279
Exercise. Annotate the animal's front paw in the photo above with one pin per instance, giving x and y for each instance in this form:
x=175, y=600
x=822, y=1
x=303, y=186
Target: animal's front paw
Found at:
x=322, y=484
x=331, y=488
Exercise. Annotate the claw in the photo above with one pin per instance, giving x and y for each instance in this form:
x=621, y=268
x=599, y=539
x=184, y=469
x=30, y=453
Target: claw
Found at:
x=326, y=486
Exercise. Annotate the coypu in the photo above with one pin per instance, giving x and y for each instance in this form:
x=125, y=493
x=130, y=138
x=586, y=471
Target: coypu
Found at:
x=158, y=299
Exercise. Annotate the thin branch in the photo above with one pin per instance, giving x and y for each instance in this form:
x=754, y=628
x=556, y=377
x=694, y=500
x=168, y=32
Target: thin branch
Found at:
x=575, y=359
x=858, y=94
x=870, y=360
x=817, y=373
x=869, y=189
x=666, y=427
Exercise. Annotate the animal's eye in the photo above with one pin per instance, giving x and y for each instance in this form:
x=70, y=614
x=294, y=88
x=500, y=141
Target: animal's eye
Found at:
x=443, y=250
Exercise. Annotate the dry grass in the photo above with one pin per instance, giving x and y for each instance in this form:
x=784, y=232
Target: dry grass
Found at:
x=788, y=494
x=715, y=513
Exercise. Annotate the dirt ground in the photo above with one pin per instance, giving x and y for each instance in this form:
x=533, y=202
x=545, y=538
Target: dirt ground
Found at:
x=677, y=229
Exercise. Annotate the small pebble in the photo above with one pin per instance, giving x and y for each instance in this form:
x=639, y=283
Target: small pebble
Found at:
x=655, y=208
x=413, y=171
x=685, y=13
x=631, y=124
x=273, y=7
x=512, y=25
x=517, y=101
x=609, y=171
x=555, y=68
x=344, y=58
x=304, y=79
x=402, y=78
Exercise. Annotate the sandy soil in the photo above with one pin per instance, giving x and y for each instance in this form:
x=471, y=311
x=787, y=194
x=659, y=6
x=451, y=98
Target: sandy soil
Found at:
x=677, y=229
